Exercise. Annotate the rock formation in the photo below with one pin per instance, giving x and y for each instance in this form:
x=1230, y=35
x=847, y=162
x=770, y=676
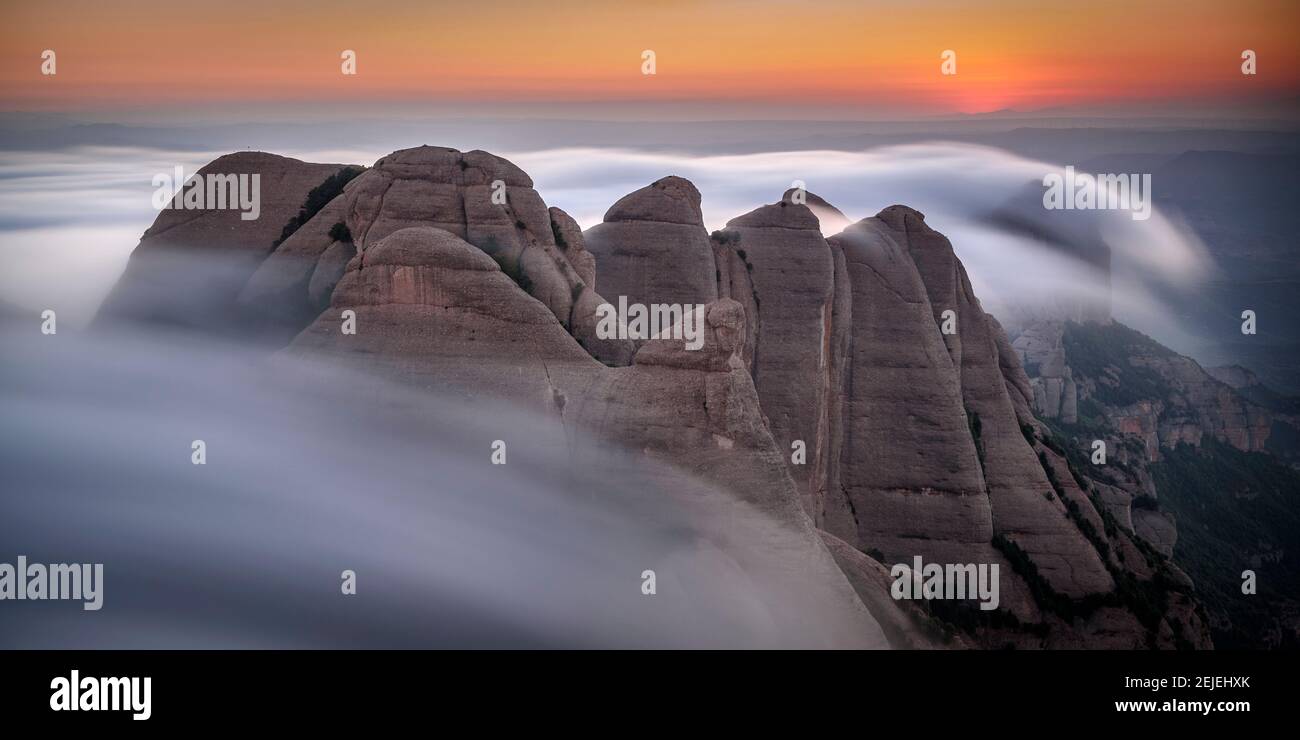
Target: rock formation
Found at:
x=652, y=246
x=433, y=308
x=789, y=283
x=435, y=311
x=1043, y=357
x=1138, y=386
x=1169, y=430
x=1015, y=479
x=192, y=263
x=1235, y=377
x=829, y=393
x=483, y=199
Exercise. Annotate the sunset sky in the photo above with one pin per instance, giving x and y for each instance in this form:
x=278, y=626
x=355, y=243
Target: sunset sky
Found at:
x=1019, y=55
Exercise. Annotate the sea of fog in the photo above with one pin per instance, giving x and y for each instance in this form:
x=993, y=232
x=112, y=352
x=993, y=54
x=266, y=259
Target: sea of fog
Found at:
x=69, y=218
x=313, y=479
x=304, y=480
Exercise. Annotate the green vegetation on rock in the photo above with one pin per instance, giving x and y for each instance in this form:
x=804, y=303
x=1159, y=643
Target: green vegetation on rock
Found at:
x=1236, y=511
x=1104, y=352
x=318, y=198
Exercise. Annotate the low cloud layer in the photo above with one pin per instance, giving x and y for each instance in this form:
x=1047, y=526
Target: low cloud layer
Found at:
x=311, y=471
x=69, y=220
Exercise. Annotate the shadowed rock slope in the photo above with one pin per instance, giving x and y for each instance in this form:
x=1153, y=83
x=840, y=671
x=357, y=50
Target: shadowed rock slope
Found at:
x=192, y=263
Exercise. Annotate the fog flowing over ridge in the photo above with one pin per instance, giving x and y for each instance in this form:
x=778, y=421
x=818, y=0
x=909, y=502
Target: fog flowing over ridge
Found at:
x=783, y=460
x=67, y=228
x=958, y=186
x=311, y=472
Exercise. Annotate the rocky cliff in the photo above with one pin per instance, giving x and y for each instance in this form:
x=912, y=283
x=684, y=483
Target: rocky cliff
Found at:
x=1136, y=386
x=191, y=265
x=851, y=388
x=1193, y=463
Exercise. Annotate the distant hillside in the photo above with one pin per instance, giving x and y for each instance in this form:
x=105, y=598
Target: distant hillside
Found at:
x=1195, y=467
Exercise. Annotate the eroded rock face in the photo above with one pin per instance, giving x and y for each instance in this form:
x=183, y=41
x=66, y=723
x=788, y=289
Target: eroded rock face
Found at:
x=1235, y=377
x=1174, y=399
x=909, y=466
x=430, y=305
x=846, y=349
x=791, y=280
x=435, y=311
x=191, y=264
x=568, y=237
x=1202, y=405
x=945, y=420
x=481, y=198
x=1157, y=528
x=1055, y=394
x=917, y=441
x=904, y=623
x=1141, y=400
x=293, y=285
x=652, y=247
x=1015, y=479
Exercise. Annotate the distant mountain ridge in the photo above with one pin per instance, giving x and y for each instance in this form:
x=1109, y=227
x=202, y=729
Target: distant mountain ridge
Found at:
x=1201, y=465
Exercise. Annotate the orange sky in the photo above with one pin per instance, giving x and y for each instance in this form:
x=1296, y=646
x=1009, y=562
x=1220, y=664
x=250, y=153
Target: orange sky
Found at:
x=1023, y=55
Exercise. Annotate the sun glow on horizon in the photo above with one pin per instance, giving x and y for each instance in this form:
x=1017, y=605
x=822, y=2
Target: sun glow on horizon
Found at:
x=1010, y=54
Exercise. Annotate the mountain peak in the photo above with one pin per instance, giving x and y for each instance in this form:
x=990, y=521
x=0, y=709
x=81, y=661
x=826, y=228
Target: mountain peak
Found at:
x=670, y=199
